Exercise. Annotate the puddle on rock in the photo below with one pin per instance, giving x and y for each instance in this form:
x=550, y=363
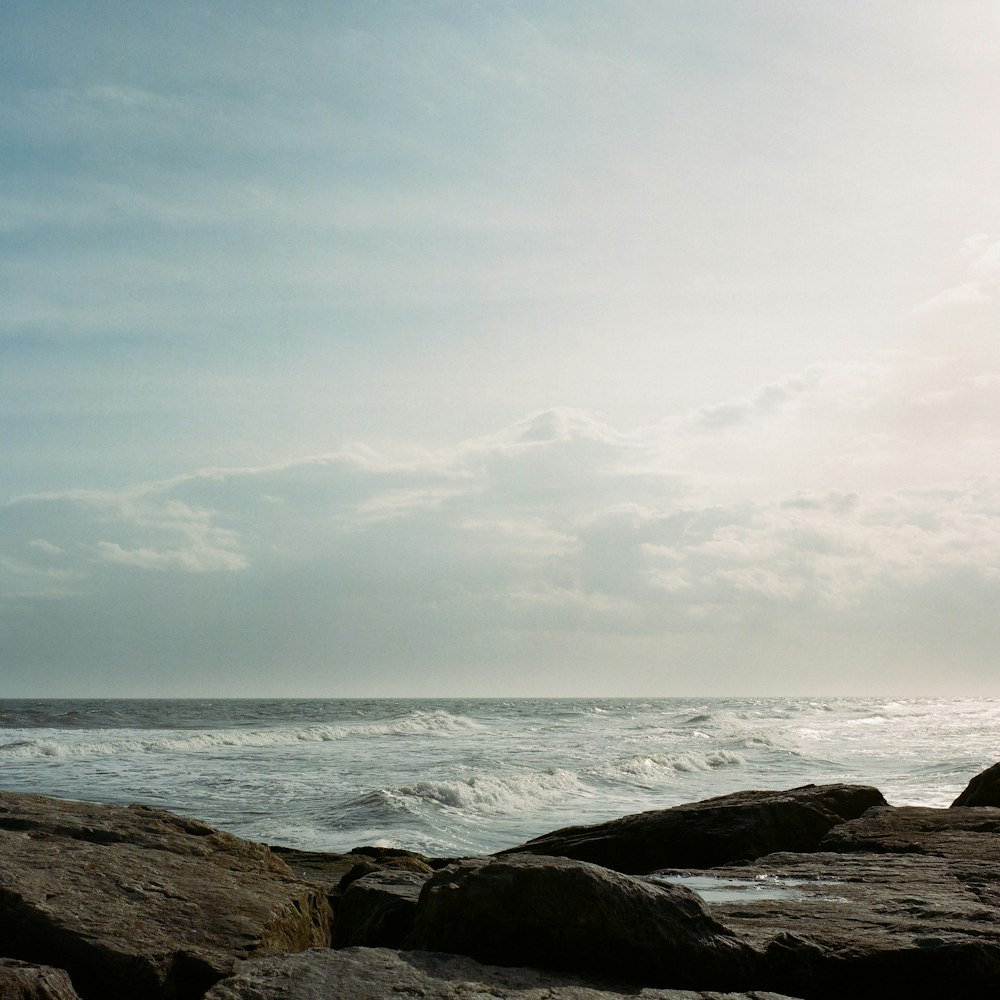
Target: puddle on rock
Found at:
x=724, y=889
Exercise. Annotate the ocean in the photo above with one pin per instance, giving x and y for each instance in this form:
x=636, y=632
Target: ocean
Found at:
x=450, y=777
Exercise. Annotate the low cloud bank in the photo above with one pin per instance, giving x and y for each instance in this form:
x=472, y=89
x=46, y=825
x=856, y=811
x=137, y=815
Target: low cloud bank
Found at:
x=711, y=552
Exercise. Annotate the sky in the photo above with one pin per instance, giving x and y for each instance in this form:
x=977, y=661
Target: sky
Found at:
x=499, y=348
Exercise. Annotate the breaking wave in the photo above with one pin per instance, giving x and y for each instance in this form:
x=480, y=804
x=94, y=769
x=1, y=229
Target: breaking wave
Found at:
x=662, y=765
x=486, y=794
x=100, y=744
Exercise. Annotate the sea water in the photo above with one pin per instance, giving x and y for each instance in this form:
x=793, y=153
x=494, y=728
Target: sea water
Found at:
x=464, y=776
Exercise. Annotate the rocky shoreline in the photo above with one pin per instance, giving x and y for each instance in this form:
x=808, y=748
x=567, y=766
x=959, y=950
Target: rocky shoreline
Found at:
x=814, y=893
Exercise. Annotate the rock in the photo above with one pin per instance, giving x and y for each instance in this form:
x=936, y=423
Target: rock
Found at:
x=23, y=981
x=139, y=902
x=324, y=867
x=908, y=895
x=378, y=908
x=329, y=868
x=335, y=872
x=741, y=826
x=412, y=865
x=865, y=925
x=375, y=974
x=982, y=790
x=973, y=834
x=560, y=914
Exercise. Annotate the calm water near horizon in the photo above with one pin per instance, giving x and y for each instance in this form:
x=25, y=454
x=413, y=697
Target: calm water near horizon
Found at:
x=452, y=776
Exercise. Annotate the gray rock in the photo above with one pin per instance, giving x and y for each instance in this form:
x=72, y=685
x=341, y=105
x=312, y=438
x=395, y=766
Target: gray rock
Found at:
x=330, y=868
x=23, y=981
x=557, y=913
x=718, y=831
x=956, y=832
x=908, y=897
x=982, y=790
x=139, y=902
x=378, y=974
x=378, y=908
x=324, y=867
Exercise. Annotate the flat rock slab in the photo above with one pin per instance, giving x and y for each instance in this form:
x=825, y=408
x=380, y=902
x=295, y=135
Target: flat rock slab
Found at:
x=837, y=925
x=972, y=833
x=134, y=901
x=378, y=973
x=717, y=831
x=23, y=981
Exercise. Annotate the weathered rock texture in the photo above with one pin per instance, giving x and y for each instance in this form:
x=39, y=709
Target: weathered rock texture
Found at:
x=23, y=981
x=139, y=902
x=556, y=913
x=718, y=831
x=972, y=834
x=983, y=790
x=908, y=897
x=378, y=908
x=375, y=974
x=832, y=894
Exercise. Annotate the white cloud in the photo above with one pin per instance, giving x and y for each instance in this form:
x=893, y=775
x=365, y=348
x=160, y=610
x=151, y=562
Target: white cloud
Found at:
x=982, y=255
x=144, y=527
x=553, y=528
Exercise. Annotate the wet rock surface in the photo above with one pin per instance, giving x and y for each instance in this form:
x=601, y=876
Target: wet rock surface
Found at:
x=906, y=895
x=718, y=831
x=378, y=974
x=136, y=901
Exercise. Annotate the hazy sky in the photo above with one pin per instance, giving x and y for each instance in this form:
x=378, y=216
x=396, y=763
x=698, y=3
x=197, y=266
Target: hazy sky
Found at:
x=512, y=347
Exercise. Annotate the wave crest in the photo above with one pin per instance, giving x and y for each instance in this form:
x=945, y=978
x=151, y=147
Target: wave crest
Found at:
x=661, y=765
x=417, y=723
x=495, y=795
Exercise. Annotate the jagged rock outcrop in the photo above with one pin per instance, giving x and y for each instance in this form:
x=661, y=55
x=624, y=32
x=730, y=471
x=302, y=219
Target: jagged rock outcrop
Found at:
x=717, y=831
x=375, y=974
x=982, y=790
x=24, y=981
x=557, y=913
x=134, y=901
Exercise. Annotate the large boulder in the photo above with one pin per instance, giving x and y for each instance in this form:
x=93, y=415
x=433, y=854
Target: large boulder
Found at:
x=560, y=914
x=982, y=790
x=722, y=830
x=24, y=981
x=134, y=901
x=378, y=908
x=376, y=973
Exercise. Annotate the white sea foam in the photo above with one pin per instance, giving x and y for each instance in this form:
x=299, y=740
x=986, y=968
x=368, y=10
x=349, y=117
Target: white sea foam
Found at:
x=453, y=776
x=660, y=766
x=104, y=743
x=497, y=795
